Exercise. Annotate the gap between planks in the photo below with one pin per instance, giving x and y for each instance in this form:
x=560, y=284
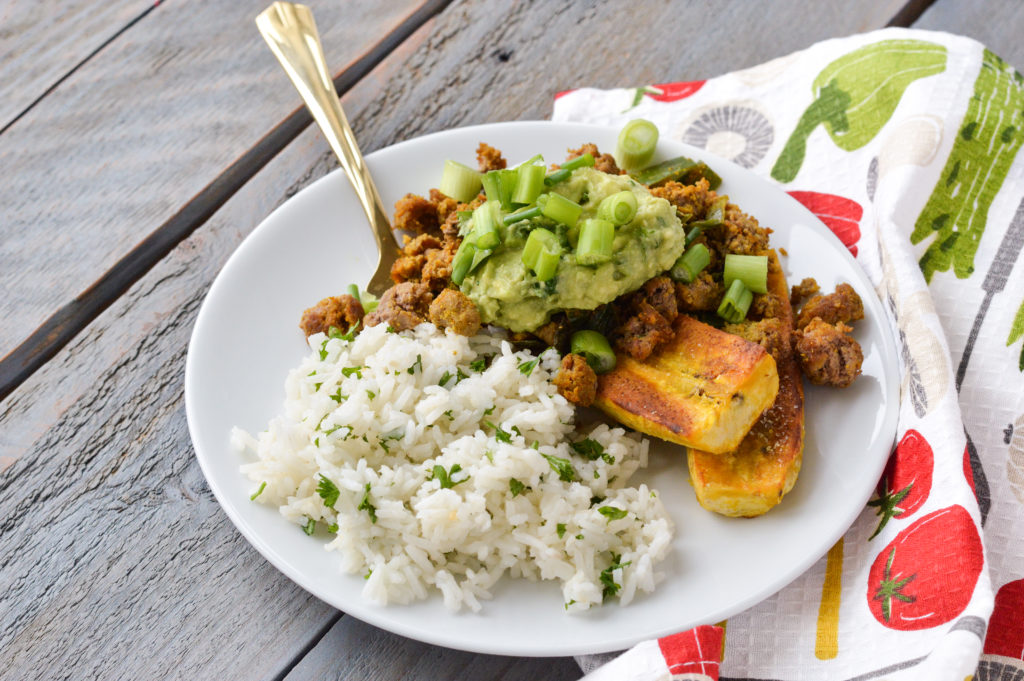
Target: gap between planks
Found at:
x=64, y=324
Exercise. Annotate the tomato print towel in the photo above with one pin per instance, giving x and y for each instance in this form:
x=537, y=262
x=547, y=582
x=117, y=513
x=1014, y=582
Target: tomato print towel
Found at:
x=906, y=144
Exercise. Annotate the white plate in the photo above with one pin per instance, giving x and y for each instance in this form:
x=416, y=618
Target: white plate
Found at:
x=246, y=339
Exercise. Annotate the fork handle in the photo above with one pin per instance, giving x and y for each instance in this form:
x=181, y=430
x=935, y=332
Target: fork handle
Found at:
x=290, y=31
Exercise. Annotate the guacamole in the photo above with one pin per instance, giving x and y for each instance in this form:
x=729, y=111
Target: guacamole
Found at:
x=509, y=295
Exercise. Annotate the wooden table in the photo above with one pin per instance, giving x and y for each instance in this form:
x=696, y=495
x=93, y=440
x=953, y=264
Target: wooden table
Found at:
x=140, y=143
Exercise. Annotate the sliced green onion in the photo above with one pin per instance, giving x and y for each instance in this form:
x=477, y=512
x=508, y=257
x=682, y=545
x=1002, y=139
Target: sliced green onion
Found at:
x=463, y=261
x=690, y=264
x=636, y=143
x=565, y=170
x=529, y=184
x=365, y=298
x=478, y=257
x=752, y=270
x=353, y=291
x=595, y=349
x=485, y=233
x=547, y=264
x=460, y=182
x=619, y=208
x=736, y=302
x=525, y=214
x=595, y=242
x=499, y=185
x=559, y=208
x=533, y=160
x=542, y=253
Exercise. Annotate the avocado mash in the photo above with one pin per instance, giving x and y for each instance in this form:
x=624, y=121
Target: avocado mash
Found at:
x=510, y=295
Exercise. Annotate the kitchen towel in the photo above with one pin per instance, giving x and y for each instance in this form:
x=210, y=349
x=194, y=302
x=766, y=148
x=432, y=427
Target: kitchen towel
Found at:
x=906, y=144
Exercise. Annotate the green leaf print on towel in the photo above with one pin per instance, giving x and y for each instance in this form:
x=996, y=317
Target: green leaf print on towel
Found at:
x=1016, y=331
x=856, y=95
x=989, y=139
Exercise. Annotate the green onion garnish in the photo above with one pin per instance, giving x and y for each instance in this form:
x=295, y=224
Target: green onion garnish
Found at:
x=691, y=263
x=559, y=208
x=539, y=240
x=525, y=214
x=752, y=270
x=547, y=264
x=619, y=208
x=565, y=170
x=595, y=242
x=485, y=234
x=735, y=303
x=460, y=182
x=529, y=184
x=499, y=185
x=595, y=349
x=463, y=261
x=636, y=143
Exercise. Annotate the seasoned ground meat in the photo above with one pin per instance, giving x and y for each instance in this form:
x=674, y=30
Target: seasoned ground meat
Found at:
x=603, y=162
x=556, y=332
x=642, y=332
x=416, y=215
x=770, y=334
x=402, y=307
x=828, y=354
x=740, y=233
x=454, y=310
x=446, y=205
x=691, y=200
x=842, y=306
x=437, y=269
x=703, y=293
x=805, y=289
x=341, y=312
x=576, y=381
x=421, y=244
x=489, y=158
x=407, y=268
x=660, y=293
x=765, y=306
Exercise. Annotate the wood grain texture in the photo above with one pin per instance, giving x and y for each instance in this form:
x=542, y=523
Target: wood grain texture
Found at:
x=41, y=41
x=136, y=132
x=997, y=24
x=353, y=651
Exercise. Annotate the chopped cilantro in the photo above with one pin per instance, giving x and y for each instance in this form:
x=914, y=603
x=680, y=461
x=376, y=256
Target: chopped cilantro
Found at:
x=310, y=527
x=478, y=365
x=390, y=329
x=445, y=377
x=450, y=414
x=417, y=363
x=597, y=474
x=526, y=368
x=499, y=434
x=565, y=471
x=365, y=504
x=368, y=573
x=536, y=444
x=258, y=492
x=592, y=450
x=570, y=603
x=490, y=455
x=338, y=397
x=612, y=512
x=488, y=412
x=348, y=371
x=560, y=528
x=323, y=351
x=333, y=528
x=446, y=478
x=515, y=429
x=370, y=394
x=460, y=375
x=596, y=500
x=328, y=491
x=608, y=581
x=515, y=487
x=316, y=386
x=580, y=536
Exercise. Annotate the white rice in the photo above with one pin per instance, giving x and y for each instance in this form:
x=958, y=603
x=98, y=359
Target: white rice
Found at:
x=379, y=433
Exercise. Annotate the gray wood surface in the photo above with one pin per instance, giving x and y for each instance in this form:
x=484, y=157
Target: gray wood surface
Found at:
x=117, y=562
x=40, y=42
x=995, y=23
x=136, y=132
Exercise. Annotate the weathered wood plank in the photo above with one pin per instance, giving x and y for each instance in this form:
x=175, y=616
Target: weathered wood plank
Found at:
x=995, y=23
x=119, y=563
x=351, y=649
x=136, y=132
x=40, y=42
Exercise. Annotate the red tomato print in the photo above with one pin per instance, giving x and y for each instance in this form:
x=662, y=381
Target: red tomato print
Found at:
x=906, y=481
x=671, y=92
x=1006, y=628
x=839, y=214
x=694, y=652
x=927, y=574
x=563, y=93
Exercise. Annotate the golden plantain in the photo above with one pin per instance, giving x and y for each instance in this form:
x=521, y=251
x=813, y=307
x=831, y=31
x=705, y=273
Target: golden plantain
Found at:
x=753, y=477
x=705, y=388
